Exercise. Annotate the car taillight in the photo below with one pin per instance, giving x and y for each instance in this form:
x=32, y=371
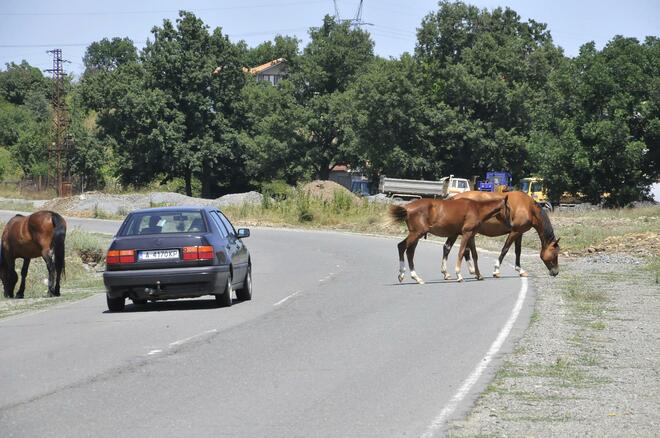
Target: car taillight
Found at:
x=198, y=253
x=120, y=256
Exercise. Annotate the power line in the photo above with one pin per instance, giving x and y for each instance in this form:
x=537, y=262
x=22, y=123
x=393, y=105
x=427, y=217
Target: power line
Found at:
x=161, y=11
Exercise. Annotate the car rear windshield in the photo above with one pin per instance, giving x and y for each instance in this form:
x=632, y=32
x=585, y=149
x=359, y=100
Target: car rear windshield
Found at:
x=168, y=222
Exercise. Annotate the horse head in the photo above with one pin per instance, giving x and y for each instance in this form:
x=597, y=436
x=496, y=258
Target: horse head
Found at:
x=550, y=256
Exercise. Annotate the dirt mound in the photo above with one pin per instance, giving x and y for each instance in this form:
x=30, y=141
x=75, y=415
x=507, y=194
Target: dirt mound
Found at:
x=326, y=190
x=639, y=243
x=97, y=203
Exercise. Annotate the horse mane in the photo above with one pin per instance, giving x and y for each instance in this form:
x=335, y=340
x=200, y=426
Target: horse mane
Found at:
x=548, y=231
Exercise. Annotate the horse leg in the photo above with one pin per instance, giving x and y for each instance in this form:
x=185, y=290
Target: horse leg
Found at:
x=402, y=246
x=410, y=253
x=47, y=255
x=507, y=244
x=445, y=254
x=465, y=238
x=469, y=261
x=475, y=257
x=10, y=278
x=24, y=271
x=518, y=247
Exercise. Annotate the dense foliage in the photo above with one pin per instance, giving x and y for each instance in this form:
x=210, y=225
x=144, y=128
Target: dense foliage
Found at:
x=483, y=91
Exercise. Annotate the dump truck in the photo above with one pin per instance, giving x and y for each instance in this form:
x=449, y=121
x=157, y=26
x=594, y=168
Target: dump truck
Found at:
x=534, y=187
x=448, y=186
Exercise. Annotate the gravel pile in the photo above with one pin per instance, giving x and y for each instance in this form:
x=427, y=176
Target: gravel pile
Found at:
x=326, y=190
x=617, y=259
x=95, y=202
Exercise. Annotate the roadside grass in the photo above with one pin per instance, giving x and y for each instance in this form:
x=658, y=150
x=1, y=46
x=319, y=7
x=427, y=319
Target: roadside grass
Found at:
x=13, y=192
x=653, y=267
x=84, y=264
x=343, y=211
x=580, y=230
x=16, y=206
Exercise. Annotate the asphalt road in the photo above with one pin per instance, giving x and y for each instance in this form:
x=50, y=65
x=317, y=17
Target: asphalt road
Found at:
x=330, y=346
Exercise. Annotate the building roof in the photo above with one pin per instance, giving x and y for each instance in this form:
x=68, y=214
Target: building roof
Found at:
x=261, y=68
x=255, y=70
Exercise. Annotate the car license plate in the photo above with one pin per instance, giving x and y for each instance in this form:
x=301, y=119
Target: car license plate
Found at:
x=162, y=254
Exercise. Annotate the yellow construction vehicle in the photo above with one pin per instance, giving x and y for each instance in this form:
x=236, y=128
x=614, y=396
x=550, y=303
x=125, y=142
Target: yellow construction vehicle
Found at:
x=535, y=188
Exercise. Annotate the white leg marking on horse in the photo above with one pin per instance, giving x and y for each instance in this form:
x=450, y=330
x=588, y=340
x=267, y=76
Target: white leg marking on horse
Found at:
x=459, y=277
x=416, y=277
x=521, y=271
x=402, y=271
x=496, y=272
x=443, y=269
x=471, y=267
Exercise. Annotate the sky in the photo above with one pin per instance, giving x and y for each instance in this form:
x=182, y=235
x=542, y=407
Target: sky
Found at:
x=30, y=27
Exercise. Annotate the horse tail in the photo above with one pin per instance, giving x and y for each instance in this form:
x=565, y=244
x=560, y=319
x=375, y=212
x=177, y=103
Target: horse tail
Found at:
x=59, y=236
x=398, y=214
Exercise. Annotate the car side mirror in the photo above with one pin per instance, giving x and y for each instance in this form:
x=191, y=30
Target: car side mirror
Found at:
x=243, y=232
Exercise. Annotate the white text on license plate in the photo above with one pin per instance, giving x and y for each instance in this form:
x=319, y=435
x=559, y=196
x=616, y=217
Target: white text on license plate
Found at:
x=164, y=254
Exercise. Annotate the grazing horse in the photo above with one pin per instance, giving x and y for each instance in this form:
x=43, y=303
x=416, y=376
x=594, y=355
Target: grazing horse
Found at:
x=40, y=234
x=445, y=219
x=525, y=214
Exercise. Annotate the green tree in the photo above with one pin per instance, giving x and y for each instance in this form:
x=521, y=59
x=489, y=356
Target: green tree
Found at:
x=483, y=73
x=272, y=141
x=392, y=120
x=600, y=135
x=281, y=47
x=334, y=57
x=168, y=115
x=20, y=79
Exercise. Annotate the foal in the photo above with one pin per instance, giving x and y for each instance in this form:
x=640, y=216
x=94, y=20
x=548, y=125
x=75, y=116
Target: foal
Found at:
x=444, y=219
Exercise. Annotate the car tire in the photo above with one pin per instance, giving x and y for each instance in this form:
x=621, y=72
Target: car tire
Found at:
x=224, y=299
x=245, y=294
x=115, y=304
x=139, y=302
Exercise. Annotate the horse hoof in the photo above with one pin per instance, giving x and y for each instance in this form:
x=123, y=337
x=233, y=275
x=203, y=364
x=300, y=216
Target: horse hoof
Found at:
x=419, y=281
x=447, y=277
x=401, y=277
x=524, y=274
x=459, y=280
x=497, y=274
x=480, y=277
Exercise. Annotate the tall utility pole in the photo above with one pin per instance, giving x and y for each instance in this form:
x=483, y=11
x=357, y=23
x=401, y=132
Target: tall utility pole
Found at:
x=354, y=22
x=62, y=142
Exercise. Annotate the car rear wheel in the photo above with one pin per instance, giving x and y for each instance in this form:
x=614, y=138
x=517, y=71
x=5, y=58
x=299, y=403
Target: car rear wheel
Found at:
x=116, y=304
x=224, y=299
x=139, y=302
x=245, y=294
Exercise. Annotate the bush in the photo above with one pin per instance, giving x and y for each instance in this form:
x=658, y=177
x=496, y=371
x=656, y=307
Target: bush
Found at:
x=89, y=247
x=341, y=201
x=304, y=206
x=276, y=189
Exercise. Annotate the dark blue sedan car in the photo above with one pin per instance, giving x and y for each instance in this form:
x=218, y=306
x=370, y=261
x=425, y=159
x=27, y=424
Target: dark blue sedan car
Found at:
x=177, y=252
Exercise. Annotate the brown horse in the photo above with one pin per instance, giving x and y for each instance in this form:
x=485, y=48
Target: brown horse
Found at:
x=40, y=234
x=462, y=217
x=525, y=214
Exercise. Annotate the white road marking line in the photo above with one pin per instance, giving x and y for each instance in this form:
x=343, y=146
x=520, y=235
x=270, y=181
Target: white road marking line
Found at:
x=152, y=352
x=183, y=341
x=467, y=385
x=286, y=298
